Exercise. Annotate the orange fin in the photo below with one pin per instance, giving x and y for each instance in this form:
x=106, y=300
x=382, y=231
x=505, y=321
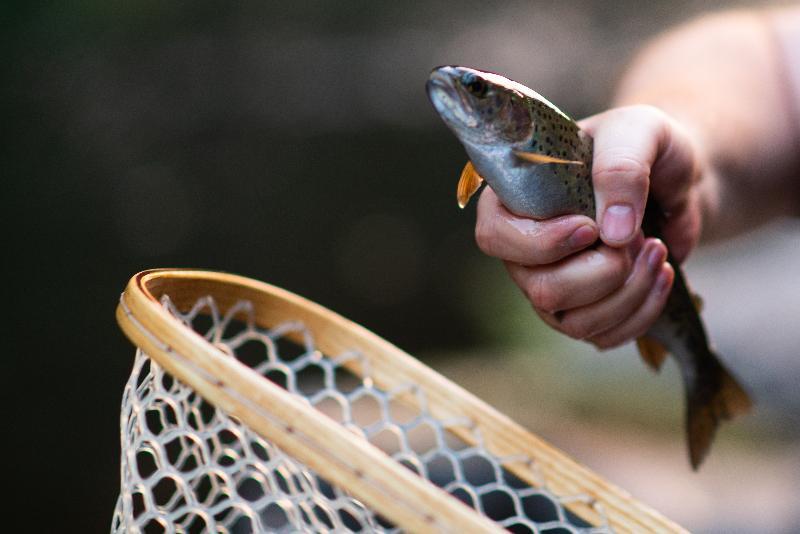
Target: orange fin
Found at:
x=652, y=352
x=468, y=183
x=697, y=300
x=735, y=399
x=542, y=158
x=706, y=408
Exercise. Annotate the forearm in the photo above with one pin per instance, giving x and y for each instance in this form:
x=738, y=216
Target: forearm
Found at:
x=724, y=78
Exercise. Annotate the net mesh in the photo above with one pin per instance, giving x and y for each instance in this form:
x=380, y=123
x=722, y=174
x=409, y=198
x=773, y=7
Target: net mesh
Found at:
x=186, y=466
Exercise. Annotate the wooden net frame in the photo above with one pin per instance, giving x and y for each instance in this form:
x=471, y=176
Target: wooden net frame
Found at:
x=337, y=452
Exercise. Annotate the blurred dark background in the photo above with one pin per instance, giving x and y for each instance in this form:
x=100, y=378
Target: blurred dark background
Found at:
x=294, y=143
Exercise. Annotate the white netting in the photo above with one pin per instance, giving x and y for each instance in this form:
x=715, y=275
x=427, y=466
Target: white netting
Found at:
x=189, y=467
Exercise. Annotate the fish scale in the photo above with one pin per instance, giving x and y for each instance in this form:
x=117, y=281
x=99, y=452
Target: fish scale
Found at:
x=570, y=144
x=539, y=163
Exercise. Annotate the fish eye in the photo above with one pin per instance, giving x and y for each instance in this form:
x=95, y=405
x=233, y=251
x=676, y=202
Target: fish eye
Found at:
x=474, y=84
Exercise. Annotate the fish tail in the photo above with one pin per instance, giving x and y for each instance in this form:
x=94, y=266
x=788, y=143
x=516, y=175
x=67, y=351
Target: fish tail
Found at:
x=709, y=401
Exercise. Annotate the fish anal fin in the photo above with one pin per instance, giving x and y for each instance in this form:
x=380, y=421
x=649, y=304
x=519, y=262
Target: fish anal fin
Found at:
x=735, y=400
x=532, y=157
x=652, y=352
x=707, y=407
x=469, y=182
x=697, y=300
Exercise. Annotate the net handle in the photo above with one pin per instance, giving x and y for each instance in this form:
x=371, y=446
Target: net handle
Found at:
x=325, y=446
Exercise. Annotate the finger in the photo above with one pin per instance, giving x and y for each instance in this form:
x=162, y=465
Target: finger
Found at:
x=676, y=168
x=638, y=324
x=577, y=280
x=605, y=314
x=502, y=234
x=682, y=227
x=632, y=147
x=625, y=146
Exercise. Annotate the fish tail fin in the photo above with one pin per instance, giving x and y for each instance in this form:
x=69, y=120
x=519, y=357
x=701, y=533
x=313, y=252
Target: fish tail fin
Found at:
x=721, y=398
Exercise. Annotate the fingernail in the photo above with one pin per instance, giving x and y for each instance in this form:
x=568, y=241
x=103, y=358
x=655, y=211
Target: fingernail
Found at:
x=637, y=246
x=618, y=221
x=663, y=280
x=582, y=237
x=656, y=257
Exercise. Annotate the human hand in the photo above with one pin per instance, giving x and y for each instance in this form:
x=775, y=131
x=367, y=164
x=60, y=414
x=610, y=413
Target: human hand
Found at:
x=613, y=292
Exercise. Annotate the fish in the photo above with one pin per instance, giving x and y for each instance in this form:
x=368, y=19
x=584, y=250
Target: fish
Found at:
x=539, y=163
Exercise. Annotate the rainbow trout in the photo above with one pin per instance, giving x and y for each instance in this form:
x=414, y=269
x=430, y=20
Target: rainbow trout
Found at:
x=539, y=162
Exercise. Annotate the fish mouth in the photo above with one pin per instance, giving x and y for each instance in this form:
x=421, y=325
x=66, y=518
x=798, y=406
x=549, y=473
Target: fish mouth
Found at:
x=449, y=102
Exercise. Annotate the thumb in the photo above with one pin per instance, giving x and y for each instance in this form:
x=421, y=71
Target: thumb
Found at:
x=626, y=145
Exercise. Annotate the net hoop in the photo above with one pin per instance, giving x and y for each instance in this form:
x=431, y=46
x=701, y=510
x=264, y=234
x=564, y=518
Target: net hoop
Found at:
x=340, y=456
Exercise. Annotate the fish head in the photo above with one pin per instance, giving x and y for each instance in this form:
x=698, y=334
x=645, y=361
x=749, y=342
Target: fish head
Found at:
x=509, y=133
x=481, y=108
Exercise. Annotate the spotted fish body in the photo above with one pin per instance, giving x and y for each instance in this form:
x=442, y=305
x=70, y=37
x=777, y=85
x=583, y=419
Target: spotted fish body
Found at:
x=559, y=189
x=539, y=163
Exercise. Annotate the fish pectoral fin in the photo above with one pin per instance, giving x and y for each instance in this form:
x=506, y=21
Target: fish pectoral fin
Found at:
x=652, y=352
x=469, y=182
x=532, y=157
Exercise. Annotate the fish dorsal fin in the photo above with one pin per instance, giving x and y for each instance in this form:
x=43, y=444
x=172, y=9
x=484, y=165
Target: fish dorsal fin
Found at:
x=469, y=182
x=532, y=157
x=652, y=352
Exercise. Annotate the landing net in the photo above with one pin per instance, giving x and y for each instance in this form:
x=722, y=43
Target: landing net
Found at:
x=189, y=466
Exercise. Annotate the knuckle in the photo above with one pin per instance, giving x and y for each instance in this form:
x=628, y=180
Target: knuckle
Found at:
x=620, y=266
x=542, y=291
x=619, y=169
x=549, y=248
x=587, y=324
x=612, y=267
x=569, y=334
x=579, y=329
